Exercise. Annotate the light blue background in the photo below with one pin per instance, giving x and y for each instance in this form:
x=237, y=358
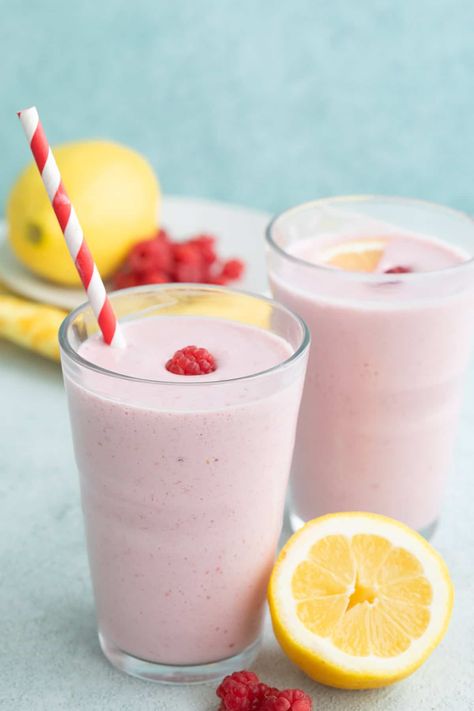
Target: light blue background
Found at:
x=261, y=102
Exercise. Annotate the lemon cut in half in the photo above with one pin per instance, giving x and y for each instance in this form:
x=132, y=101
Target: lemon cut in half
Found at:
x=359, y=600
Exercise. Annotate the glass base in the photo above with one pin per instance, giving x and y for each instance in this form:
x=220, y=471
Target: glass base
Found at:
x=296, y=523
x=177, y=674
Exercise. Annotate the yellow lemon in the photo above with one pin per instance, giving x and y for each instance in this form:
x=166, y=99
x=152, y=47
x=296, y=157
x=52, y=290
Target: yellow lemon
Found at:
x=362, y=255
x=359, y=600
x=116, y=196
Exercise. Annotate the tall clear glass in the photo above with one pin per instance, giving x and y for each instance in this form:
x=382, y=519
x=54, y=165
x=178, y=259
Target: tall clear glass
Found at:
x=183, y=486
x=388, y=357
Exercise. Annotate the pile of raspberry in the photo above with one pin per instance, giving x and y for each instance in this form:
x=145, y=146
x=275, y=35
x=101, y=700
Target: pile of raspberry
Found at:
x=243, y=691
x=160, y=259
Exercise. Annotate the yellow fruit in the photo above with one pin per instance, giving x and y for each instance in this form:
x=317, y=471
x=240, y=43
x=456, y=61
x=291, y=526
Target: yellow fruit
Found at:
x=115, y=194
x=31, y=325
x=359, y=600
x=356, y=255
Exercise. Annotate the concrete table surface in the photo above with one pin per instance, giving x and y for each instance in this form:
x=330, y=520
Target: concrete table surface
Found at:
x=49, y=654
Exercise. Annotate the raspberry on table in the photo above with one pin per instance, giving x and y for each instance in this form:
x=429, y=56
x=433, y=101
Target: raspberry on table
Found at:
x=243, y=691
x=150, y=254
x=187, y=253
x=206, y=246
x=188, y=272
x=217, y=280
x=188, y=264
x=192, y=360
x=153, y=276
x=233, y=269
x=287, y=700
x=125, y=279
x=160, y=259
x=163, y=235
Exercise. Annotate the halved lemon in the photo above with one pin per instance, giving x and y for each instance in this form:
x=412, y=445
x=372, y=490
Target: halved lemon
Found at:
x=355, y=255
x=359, y=600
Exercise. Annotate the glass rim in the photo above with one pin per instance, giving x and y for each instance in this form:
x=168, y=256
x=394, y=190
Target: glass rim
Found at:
x=366, y=276
x=67, y=348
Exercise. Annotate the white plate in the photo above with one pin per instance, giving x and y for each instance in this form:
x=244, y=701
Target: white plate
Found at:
x=240, y=233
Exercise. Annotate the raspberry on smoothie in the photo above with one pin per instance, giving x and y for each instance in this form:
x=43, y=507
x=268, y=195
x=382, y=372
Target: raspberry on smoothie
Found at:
x=191, y=360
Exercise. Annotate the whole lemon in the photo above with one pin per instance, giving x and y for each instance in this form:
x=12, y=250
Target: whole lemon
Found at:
x=115, y=194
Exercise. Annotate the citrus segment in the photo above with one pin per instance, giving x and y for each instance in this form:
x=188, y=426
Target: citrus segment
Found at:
x=399, y=564
x=352, y=634
x=322, y=614
x=361, y=255
x=310, y=581
x=359, y=600
x=417, y=590
x=413, y=619
x=369, y=553
x=334, y=553
x=388, y=639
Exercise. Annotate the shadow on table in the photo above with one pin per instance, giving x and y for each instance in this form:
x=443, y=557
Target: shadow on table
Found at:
x=20, y=361
x=72, y=622
x=275, y=669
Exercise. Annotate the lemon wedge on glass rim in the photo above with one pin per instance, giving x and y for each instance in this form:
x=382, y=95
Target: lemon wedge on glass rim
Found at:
x=355, y=255
x=359, y=600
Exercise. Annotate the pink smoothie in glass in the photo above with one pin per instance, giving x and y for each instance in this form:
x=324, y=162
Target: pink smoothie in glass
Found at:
x=183, y=485
x=382, y=391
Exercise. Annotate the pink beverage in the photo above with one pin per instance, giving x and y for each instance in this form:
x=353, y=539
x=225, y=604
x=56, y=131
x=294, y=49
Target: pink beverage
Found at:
x=183, y=478
x=389, y=352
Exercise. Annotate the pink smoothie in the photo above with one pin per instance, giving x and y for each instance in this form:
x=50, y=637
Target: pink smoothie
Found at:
x=183, y=485
x=383, y=386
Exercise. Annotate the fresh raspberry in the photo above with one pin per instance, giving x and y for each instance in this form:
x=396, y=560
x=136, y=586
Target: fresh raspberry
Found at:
x=233, y=269
x=205, y=243
x=124, y=279
x=192, y=361
x=153, y=276
x=263, y=692
x=163, y=255
x=217, y=280
x=187, y=253
x=188, y=263
x=242, y=691
x=142, y=255
x=287, y=700
x=398, y=270
x=163, y=235
x=158, y=260
x=155, y=253
x=188, y=273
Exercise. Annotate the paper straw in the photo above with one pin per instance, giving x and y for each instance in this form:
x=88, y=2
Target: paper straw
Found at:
x=70, y=227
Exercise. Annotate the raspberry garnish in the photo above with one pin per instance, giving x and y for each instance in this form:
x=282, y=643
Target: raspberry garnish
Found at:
x=191, y=361
x=242, y=691
x=398, y=270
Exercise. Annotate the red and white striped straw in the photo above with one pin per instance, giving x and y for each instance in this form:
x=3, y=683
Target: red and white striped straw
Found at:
x=70, y=227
